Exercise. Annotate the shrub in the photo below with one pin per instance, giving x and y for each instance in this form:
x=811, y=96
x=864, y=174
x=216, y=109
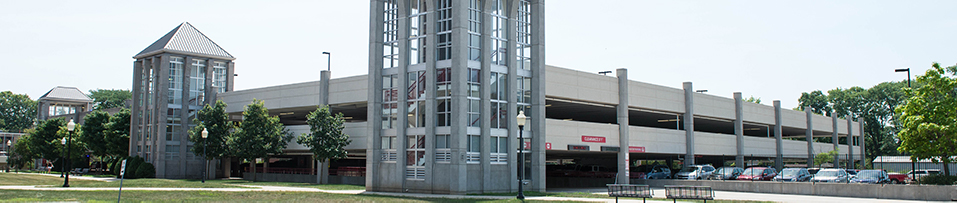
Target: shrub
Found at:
x=145, y=170
x=132, y=166
x=938, y=180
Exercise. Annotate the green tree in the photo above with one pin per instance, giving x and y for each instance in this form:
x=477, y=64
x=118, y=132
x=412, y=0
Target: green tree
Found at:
x=929, y=117
x=816, y=100
x=216, y=122
x=21, y=155
x=752, y=99
x=17, y=111
x=94, y=132
x=325, y=138
x=44, y=140
x=258, y=135
x=118, y=134
x=105, y=99
x=825, y=157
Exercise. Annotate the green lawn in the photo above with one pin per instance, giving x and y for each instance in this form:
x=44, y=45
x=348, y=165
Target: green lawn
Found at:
x=51, y=181
x=207, y=196
x=306, y=185
x=35, y=179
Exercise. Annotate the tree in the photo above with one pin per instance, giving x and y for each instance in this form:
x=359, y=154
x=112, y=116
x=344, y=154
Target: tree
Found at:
x=105, y=99
x=94, y=132
x=216, y=122
x=258, y=134
x=929, y=117
x=44, y=140
x=118, y=134
x=825, y=157
x=17, y=111
x=816, y=100
x=21, y=155
x=752, y=99
x=325, y=138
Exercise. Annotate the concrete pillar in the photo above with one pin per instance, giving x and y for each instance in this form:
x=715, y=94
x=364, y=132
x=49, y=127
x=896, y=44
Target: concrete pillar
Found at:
x=739, y=129
x=161, y=90
x=537, y=124
x=689, y=124
x=850, y=142
x=835, y=139
x=623, y=136
x=135, y=113
x=458, y=181
x=809, y=136
x=322, y=170
x=779, y=146
x=374, y=113
x=183, y=135
x=860, y=121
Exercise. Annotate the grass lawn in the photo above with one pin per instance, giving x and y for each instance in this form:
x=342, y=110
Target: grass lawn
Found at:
x=35, y=179
x=605, y=196
x=208, y=196
x=306, y=185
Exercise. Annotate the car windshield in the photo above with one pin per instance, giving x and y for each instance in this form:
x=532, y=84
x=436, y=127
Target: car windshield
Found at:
x=689, y=169
x=868, y=175
x=790, y=172
x=725, y=171
x=827, y=173
x=753, y=171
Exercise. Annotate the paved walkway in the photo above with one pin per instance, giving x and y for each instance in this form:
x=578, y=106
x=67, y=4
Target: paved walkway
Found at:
x=727, y=195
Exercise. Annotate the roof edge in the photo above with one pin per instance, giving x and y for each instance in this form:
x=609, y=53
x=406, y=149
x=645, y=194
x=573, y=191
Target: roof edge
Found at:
x=160, y=51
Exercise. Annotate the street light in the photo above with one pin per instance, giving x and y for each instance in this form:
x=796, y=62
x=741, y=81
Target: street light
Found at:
x=205, y=134
x=913, y=166
x=63, y=141
x=328, y=61
x=908, y=74
x=69, y=127
x=520, y=119
x=9, y=142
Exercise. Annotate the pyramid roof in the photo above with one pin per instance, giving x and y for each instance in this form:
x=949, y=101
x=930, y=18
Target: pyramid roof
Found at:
x=186, y=39
x=66, y=93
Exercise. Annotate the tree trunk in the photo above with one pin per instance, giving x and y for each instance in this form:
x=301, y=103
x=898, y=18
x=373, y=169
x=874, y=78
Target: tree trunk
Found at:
x=324, y=172
x=946, y=167
x=253, y=165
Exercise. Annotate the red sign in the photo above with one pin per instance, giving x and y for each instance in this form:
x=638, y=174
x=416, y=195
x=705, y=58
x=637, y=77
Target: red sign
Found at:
x=528, y=145
x=597, y=139
x=636, y=149
x=548, y=145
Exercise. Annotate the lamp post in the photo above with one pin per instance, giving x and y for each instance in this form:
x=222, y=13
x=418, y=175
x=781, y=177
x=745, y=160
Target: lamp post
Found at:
x=520, y=119
x=9, y=143
x=205, y=134
x=63, y=141
x=328, y=60
x=913, y=166
x=69, y=127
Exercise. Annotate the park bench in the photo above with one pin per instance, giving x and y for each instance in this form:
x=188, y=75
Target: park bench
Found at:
x=676, y=192
x=629, y=190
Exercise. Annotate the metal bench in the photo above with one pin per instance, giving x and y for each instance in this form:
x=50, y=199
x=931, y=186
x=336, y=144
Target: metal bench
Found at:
x=628, y=190
x=676, y=192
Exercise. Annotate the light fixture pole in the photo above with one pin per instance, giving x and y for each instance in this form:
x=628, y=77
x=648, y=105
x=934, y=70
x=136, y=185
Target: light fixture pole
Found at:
x=69, y=127
x=913, y=165
x=205, y=134
x=328, y=60
x=9, y=143
x=520, y=119
x=63, y=156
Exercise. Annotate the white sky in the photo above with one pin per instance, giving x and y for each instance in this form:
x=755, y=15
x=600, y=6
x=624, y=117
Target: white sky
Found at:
x=769, y=49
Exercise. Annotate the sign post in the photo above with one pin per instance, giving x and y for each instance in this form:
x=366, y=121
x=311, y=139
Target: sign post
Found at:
x=122, y=174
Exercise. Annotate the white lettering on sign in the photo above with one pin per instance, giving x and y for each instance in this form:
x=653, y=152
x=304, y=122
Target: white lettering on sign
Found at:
x=636, y=149
x=586, y=138
x=548, y=145
x=123, y=168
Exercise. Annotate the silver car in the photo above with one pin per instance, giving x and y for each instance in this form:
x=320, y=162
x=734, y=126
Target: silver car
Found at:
x=695, y=172
x=831, y=175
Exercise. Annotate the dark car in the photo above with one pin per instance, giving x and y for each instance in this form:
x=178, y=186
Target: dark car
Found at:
x=757, y=173
x=871, y=176
x=793, y=175
x=813, y=170
x=655, y=171
x=726, y=173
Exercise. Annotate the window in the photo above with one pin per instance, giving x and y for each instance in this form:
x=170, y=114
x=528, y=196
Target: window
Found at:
x=390, y=97
x=499, y=150
x=444, y=30
x=474, y=84
x=418, y=20
x=197, y=83
x=172, y=151
x=219, y=76
x=499, y=104
x=389, y=151
x=473, y=154
x=175, y=94
x=443, y=97
x=475, y=30
x=390, y=33
x=416, y=99
x=442, y=151
x=524, y=96
x=415, y=157
x=499, y=42
x=524, y=35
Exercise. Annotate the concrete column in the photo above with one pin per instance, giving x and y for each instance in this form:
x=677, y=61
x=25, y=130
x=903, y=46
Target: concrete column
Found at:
x=322, y=171
x=739, y=129
x=850, y=141
x=402, y=120
x=779, y=147
x=183, y=134
x=374, y=113
x=430, y=104
x=537, y=116
x=159, y=132
x=512, y=101
x=835, y=139
x=860, y=121
x=809, y=136
x=485, y=113
x=623, y=136
x=689, y=124
x=137, y=104
x=458, y=181
x=230, y=76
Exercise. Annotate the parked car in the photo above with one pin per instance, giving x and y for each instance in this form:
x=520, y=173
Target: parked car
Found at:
x=659, y=172
x=813, y=170
x=695, y=172
x=897, y=178
x=757, y=173
x=921, y=173
x=851, y=172
x=831, y=175
x=647, y=171
x=726, y=173
x=871, y=176
x=793, y=175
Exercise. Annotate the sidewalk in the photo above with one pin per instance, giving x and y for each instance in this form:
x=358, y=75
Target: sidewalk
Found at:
x=728, y=195
x=107, y=179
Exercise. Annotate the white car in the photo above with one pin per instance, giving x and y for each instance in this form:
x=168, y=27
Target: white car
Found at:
x=695, y=172
x=831, y=175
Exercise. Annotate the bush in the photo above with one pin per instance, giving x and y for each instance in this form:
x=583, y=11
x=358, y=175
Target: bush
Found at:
x=938, y=180
x=145, y=170
x=133, y=167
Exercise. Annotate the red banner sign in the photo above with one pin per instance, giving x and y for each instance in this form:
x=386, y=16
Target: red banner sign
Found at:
x=548, y=146
x=597, y=139
x=636, y=149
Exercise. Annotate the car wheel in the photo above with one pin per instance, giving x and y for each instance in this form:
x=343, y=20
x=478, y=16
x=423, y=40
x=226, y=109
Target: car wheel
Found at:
x=895, y=181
